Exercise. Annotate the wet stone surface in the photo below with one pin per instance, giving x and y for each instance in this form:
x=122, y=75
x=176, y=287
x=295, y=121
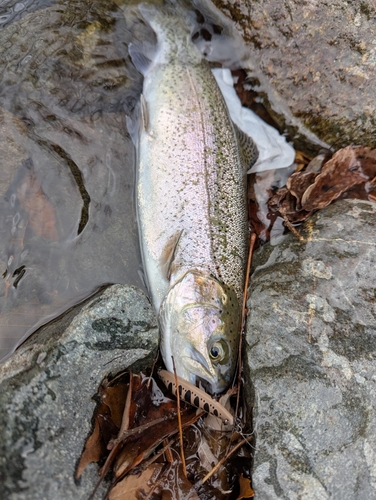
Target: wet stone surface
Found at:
x=311, y=353
x=318, y=57
x=47, y=389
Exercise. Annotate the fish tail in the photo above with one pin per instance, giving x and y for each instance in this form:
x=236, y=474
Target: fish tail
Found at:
x=171, y=14
x=174, y=25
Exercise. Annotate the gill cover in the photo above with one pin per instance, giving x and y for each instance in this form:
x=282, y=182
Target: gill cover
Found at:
x=199, y=320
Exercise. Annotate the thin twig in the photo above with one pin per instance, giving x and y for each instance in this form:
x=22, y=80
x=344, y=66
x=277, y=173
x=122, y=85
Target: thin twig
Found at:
x=245, y=298
x=223, y=460
x=289, y=225
x=152, y=370
x=139, y=429
x=179, y=420
x=167, y=449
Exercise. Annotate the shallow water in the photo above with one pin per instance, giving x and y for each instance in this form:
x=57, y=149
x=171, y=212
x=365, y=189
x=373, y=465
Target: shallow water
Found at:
x=67, y=219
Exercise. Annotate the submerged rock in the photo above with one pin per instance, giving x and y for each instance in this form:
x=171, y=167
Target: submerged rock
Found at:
x=311, y=352
x=318, y=58
x=47, y=389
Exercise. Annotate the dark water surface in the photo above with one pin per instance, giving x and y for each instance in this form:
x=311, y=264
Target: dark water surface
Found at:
x=67, y=223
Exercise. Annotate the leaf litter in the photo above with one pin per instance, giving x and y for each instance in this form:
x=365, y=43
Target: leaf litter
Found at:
x=153, y=446
x=135, y=439
x=349, y=173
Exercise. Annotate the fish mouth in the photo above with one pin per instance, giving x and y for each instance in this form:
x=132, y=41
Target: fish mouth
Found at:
x=200, y=371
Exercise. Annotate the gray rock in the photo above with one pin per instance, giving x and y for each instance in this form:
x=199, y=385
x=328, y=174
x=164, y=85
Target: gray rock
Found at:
x=315, y=59
x=47, y=389
x=311, y=349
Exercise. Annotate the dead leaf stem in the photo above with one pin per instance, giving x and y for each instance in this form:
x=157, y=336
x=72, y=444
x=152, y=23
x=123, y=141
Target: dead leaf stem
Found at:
x=125, y=420
x=289, y=225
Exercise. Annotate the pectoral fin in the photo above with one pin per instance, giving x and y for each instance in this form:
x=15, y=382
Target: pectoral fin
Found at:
x=142, y=55
x=247, y=148
x=169, y=254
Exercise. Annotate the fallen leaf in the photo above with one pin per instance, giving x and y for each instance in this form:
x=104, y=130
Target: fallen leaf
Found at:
x=301, y=160
x=139, y=447
x=92, y=451
x=135, y=485
x=107, y=421
x=298, y=183
x=245, y=488
x=347, y=168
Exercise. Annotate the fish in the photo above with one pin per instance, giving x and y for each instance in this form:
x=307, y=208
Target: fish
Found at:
x=191, y=203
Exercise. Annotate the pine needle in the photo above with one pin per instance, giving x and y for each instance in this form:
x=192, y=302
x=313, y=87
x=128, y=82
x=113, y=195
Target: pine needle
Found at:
x=179, y=420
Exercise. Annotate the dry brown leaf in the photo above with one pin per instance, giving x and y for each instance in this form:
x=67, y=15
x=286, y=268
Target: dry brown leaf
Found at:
x=133, y=486
x=298, y=183
x=92, y=452
x=348, y=167
x=139, y=447
x=301, y=160
x=41, y=212
x=114, y=398
x=245, y=488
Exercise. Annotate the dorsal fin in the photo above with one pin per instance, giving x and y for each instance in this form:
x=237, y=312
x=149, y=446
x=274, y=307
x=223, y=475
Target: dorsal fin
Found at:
x=247, y=148
x=169, y=253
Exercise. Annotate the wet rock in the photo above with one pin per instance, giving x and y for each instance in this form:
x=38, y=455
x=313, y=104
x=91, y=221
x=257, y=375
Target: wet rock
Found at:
x=311, y=352
x=47, y=389
x=315, y=60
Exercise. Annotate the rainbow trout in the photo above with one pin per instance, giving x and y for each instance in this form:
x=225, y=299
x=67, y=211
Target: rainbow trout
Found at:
x=191, y=205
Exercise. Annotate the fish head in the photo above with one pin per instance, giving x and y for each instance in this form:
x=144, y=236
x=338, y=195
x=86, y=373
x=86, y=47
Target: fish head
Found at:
x=200, y=328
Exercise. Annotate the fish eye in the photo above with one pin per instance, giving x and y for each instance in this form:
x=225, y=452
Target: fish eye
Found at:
x=218, y=351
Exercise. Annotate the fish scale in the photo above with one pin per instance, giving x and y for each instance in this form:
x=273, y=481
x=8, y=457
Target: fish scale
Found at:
x=191, y=196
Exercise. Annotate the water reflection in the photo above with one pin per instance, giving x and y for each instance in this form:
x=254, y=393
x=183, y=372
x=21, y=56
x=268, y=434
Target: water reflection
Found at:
x=67, y=220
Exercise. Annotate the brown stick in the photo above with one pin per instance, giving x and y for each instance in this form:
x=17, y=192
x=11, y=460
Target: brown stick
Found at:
x=179, y=420
x=138, y=430
x=245, y=298
x=152, y=370
x=167, y=449
x=223, y=460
